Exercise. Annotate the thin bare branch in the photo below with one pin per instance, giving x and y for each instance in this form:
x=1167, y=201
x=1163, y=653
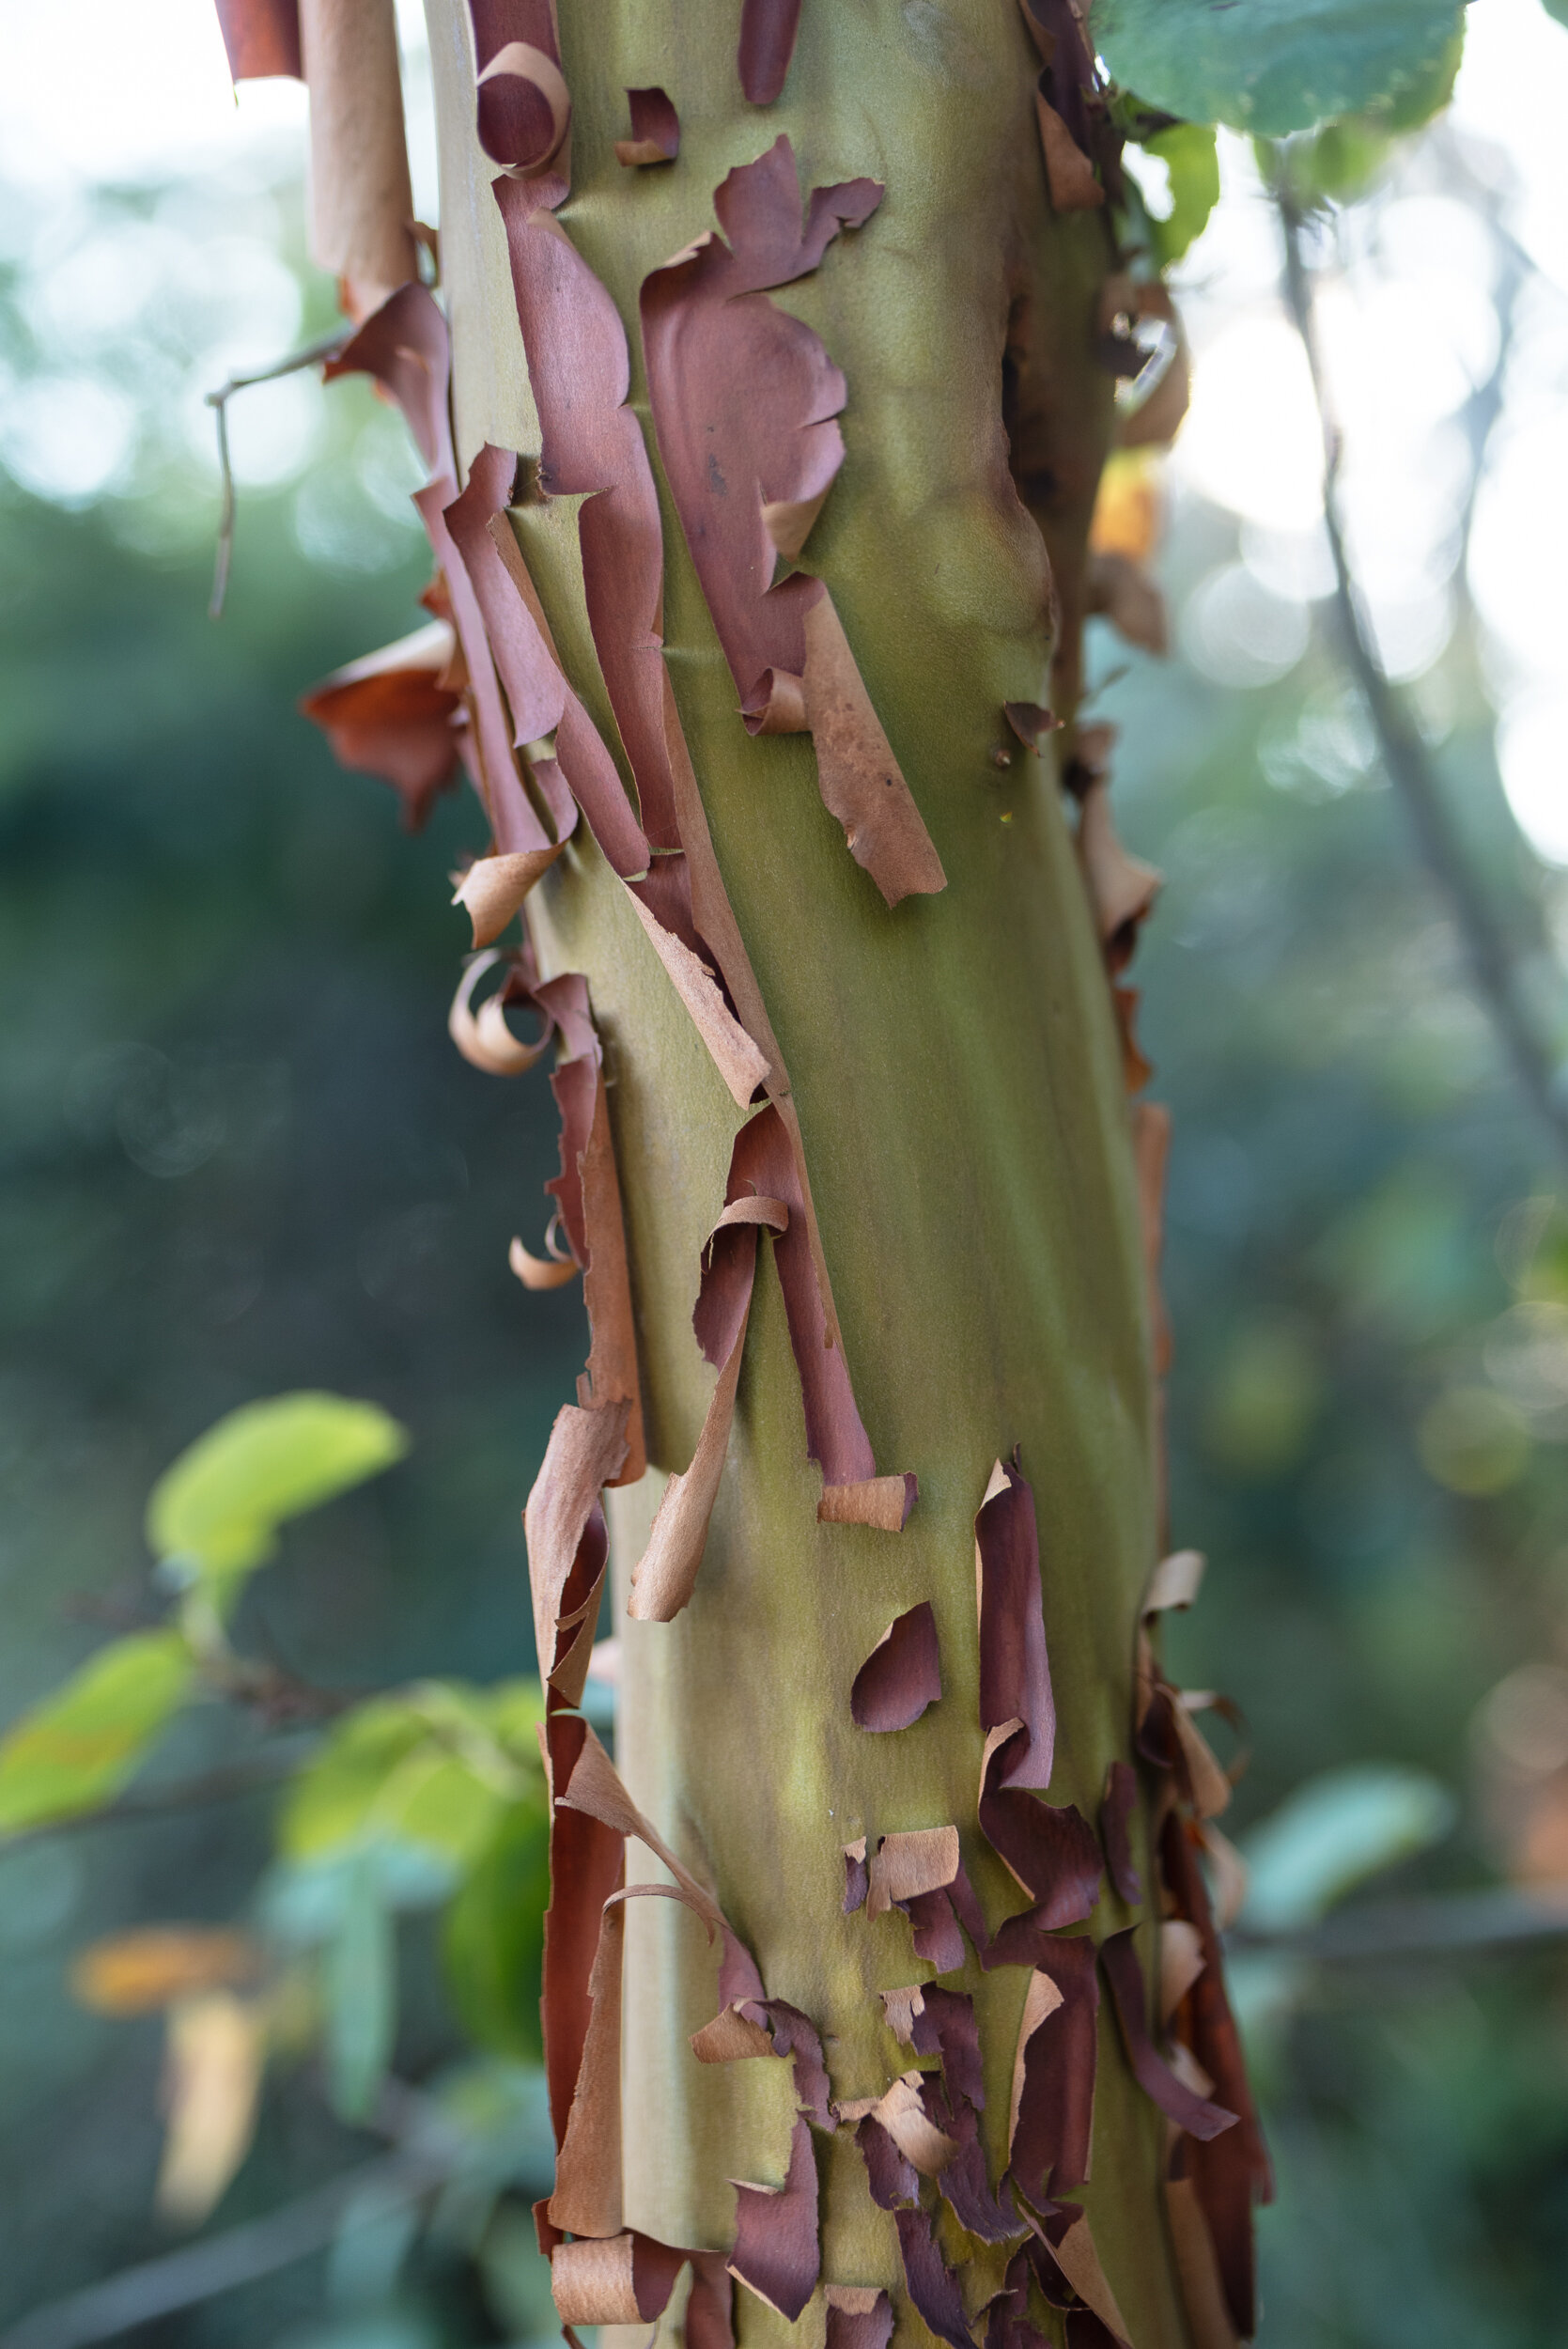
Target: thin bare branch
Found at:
x=312, y=355
x=239, y=2255
x=1492, y=970
x=1445, y=1925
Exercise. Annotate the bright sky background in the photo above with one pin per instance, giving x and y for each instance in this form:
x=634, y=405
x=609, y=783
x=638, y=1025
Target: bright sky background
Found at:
x=1409, y=327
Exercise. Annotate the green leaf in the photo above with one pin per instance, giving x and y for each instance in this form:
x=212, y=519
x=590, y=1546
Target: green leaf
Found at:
x=493, y=1939
x=1271, y=66
x=1335, y=1831
x=361, y=1994
x=216, y=1512
x=434, y=1767
x=77, y=1748
x=1190, y=155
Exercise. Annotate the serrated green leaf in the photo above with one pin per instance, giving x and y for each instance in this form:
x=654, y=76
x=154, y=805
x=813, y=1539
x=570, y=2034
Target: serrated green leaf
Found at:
x=1190, y=155
x=1334, y=1832
x=1271, y=66
x=77, y=1748
x=492, y=1938
x=217, y=1511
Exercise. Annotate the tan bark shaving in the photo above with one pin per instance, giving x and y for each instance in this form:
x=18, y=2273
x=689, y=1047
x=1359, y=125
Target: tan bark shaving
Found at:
x=493, y=888
x=922, y=1860
x=360, y=201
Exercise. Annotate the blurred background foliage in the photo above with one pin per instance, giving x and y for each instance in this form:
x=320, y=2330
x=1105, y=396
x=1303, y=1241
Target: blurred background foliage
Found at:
x=242, y=1158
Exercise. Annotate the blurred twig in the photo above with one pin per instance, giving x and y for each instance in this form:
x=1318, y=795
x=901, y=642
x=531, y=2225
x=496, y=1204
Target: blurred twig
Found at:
x=328, y=347
x=1405, y=755
x=239, y=2255
x=1445, y=1924
x=190, y=1794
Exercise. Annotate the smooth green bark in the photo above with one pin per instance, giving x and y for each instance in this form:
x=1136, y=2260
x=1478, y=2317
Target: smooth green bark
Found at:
x=954, y=1062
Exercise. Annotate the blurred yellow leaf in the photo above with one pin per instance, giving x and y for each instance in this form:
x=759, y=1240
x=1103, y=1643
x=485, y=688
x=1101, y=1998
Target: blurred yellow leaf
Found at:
x=136, y=1973
x=1129, y=510
x=212, y=2081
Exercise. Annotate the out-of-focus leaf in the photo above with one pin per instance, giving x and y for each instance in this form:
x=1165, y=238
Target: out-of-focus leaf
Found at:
x=361, y=1993
x=516, y=2277
x=1271, y=66
x=136, y=1973
x=1340, y=161
x=78, y=1748
x=303, y=1902
x=435, y=1765
x=1332, y=1833
x=374, y=2237
x=212, y=2080
x=492, y=1938
x=1190, y=155
x=215, y=1513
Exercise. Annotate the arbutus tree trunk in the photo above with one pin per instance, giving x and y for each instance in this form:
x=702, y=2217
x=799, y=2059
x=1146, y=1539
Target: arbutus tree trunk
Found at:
x=834, y=983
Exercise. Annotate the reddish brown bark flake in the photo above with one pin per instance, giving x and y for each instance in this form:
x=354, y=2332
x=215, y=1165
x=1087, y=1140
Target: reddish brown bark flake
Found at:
x=391, y=714
x=1179, y=2103
x=1054, y=2079
x=655, y=129
x=592, y=446
x=902, y=1676
x=778, y=2250
x=767, y=29
x=567, y=1544
x=1049, y=1848
x=1116, y=1808
x=933, y=2286
x=744, y=399
x=262, y=38
x=523, y=106
x=859, y=2317
x=1014, y=1668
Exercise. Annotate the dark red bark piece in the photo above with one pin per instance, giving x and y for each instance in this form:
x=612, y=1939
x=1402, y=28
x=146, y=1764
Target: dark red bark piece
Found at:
x=933, y=2286
x=797, y=2036
x=945, y=2026
x=965, y=2186
x=592, y=445
x=1052, y=2132
x=934, y=1930
x=655, y=129
x=778, y=2249
x=902, y=1676
x=767, y=29
x=1121, y=1793
x=391, y=715
x=524, y=106
x=744, y=399
x=893, y=2179
x=404, y=346
x=1007, y=2324
x=1232, y=2172
x=764, y=1162
x=1049, y=1847
x=262, y=38
x=585, y=1861
x=1014, y=1669
x=857, y=1877
x=1123, y=1971
x=709, y=2322
x=858, y=2319
x=542, y=703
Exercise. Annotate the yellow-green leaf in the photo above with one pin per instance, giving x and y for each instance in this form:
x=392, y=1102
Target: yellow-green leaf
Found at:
x=216, y=1512
x=76, y=1750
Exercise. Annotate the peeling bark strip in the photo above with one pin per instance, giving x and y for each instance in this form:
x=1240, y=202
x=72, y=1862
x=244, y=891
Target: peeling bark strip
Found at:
x=655, y=129
x=767, y=29
x=1121, y=1793
x=1014, y=1669
x=262, y=38
x=523, y=107
x=1053, y=2073
x=778, y=2251
x=763, y=1193
x=744, y=399
x=859, y=2317
x=902, y=1676
x=1196, y=2114
x=360, y=202
x=392, y=715
x=593, y=447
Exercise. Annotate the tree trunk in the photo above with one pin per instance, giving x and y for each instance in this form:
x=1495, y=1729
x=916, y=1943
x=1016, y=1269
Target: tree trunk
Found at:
x=952, y=1067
